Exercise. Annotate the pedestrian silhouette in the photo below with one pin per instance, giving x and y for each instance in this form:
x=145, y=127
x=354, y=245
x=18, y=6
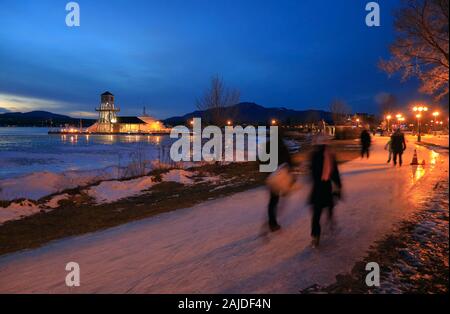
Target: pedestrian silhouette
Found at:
x=284, y=174
x=326, y=185
x=365, y=143
x=398, y=146
x=388, y=147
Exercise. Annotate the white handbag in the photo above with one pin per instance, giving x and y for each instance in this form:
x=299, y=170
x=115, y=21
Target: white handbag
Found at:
x=282, y=181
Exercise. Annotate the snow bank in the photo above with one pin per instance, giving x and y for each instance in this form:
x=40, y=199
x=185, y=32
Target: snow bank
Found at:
x=179, y=176
x=37, y=185
x=111, y=191
x=440, y=140
x=54, y=202
x=18, y=210
x=40, y=184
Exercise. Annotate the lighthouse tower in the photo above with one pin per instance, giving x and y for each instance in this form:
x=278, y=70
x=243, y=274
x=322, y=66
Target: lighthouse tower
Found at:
x=106, y=113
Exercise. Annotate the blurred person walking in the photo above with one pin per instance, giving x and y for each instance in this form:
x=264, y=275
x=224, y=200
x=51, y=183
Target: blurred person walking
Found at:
x=388, y=147
x=279, y=181
x=326, y=187
x=365, y=143
x=398, y=146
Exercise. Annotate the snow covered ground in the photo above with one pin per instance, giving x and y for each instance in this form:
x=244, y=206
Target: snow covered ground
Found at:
x=39, y=184
x=224, y=246
x=105, y=192
x=441, y=140
x=110, y=191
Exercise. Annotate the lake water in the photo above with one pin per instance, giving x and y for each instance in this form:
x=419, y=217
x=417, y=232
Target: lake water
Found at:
x=27, y=150
x=30, y=150
x=34, y=164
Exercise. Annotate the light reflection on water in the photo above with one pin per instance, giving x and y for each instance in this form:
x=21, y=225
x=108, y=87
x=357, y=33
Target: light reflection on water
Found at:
x=419, y=171
x=433, y=157
x=27, y=150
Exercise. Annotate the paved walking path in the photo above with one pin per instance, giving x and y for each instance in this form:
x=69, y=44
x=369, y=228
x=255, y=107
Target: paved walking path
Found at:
x=223, y=246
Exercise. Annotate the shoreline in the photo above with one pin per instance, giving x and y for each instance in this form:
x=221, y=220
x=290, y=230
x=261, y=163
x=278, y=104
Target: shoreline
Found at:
x=106, y=133
x=79, y=213
x=220, y=234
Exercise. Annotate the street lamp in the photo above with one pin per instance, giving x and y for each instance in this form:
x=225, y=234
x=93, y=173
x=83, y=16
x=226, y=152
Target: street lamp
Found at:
x=388, y=118
x=418, y=116
x=399, y=117
x=419, y=109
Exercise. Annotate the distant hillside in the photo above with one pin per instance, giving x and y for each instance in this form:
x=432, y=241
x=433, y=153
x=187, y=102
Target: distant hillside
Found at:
x=251, y=113
x=40, y=118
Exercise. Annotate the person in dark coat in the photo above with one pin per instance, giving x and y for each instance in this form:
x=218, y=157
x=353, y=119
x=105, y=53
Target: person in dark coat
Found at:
x=365, y=143
x=326, y=186
x=284, y=157
x=398, y=146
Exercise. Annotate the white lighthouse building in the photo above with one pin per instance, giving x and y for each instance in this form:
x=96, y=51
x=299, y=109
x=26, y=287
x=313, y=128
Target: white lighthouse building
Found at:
x=110, y=123
x=107, y=113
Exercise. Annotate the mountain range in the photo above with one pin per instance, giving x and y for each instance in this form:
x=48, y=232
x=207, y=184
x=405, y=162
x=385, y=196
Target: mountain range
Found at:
x=242, y=113
x=251, y=113
x=40, y=118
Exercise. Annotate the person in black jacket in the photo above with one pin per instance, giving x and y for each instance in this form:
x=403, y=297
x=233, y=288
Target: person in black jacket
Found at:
x=284, y=157
x=324, y=173
x=398, y=146
x=365, y=143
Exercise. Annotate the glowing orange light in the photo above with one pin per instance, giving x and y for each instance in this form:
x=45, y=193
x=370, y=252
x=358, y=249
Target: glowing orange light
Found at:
x=420, y=108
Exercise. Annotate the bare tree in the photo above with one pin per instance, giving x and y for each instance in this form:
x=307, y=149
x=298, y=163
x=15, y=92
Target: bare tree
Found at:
x=421, y=48
x=339, y=111
x=215, y=101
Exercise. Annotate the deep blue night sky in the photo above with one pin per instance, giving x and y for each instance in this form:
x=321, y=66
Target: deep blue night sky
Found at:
x=161, y=54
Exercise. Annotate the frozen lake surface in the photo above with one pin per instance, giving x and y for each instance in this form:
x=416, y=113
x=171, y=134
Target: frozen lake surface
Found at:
x=29, y=150
x=34, y=164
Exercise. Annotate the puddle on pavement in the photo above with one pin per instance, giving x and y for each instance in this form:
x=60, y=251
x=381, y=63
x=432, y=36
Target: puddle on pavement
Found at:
x=420, y=170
